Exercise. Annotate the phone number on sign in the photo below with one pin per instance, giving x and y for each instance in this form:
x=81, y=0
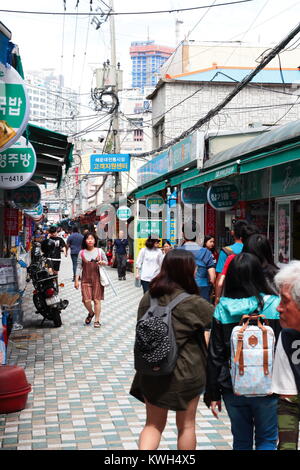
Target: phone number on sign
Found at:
x=14, y=178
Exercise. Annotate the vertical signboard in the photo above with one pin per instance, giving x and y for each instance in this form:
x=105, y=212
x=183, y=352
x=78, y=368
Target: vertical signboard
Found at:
x=11, y=225
x=172, y=218
x=210, y=220
x=283, y=224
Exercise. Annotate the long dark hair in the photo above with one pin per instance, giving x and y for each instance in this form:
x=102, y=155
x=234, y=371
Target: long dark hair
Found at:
x=245, y=278
x=260, y=246
x=177, y=271
x=150, y=242
x=83, y=244
x=206, y=239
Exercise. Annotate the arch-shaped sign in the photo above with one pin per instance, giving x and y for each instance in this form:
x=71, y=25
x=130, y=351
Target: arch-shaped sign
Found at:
x=27, y=196
x=14, y=106
x=223, y=197
x=17, y=164
x=155, y=203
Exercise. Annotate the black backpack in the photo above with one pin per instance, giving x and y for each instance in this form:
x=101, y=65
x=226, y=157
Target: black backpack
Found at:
x=155, y=348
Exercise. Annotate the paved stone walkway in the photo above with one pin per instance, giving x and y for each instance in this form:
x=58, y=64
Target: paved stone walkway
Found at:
x=81, y=377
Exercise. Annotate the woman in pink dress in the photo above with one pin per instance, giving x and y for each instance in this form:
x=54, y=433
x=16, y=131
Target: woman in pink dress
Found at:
x=89, y=260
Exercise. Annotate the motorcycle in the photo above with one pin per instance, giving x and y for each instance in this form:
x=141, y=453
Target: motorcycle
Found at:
x=46, y=292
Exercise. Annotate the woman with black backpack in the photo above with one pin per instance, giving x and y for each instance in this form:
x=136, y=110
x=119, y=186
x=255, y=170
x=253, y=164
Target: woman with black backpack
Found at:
x=179, y=390
x=252, y=417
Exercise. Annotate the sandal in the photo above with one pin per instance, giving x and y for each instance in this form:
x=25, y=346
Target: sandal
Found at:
x=88, y=319
x=97, y=324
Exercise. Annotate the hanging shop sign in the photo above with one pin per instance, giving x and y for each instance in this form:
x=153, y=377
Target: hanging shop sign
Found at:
x=194, y=195
x=17, y=164
x=14, y=106
x=145, y=228
x=223, y=197
x=155, y=204
x=112, y=162
x=35, y=213
x=124, y=213
x=27, y=196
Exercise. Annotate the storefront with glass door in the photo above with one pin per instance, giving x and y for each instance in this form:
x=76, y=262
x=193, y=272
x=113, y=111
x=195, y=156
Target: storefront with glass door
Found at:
x=286, y=190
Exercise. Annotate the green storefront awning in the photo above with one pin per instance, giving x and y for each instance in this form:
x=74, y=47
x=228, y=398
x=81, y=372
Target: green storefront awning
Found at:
x=285, y=154
x=208, y=176
x=150, y=190
x=266, y=142
x=52, y=150
x=184, y=175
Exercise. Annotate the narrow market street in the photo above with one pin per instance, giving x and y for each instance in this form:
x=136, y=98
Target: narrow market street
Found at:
x=81, y=376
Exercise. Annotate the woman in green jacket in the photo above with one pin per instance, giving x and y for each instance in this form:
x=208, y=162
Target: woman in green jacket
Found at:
x=179, y=391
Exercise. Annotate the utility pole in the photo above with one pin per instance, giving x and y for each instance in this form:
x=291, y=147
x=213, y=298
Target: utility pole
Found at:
x=115, y=122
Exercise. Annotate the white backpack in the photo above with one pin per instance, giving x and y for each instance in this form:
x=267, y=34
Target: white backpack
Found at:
x=252, y=357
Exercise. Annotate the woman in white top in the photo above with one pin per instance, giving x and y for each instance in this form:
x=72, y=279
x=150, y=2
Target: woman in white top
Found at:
x=149, y=262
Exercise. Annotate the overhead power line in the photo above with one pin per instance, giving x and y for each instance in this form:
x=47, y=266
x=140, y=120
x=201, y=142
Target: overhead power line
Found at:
x=189, y=33
x=214, y=111
x=114, y=13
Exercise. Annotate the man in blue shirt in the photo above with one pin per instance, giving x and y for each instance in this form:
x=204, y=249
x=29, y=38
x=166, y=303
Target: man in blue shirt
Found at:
x=121, y=253
x=74, y=242
x=205, y=275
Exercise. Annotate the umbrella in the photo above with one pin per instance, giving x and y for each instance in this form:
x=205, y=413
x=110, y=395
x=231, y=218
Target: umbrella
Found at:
x=110, y=283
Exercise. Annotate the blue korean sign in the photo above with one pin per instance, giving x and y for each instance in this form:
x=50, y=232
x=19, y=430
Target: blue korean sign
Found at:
x=109, y=162
x=178, y=156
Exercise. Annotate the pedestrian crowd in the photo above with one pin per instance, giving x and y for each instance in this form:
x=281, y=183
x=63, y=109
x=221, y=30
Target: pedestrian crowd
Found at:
x=235, y=321
x=223, y=324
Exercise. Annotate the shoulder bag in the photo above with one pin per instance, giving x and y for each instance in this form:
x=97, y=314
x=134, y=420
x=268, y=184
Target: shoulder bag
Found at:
x=104, y=280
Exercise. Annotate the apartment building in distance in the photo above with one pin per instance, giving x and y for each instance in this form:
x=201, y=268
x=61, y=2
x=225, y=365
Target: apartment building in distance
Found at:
x=147, y=59
x=52, y=105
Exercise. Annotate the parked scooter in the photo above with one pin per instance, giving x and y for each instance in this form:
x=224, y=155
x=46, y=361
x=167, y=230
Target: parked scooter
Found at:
x=46, y=292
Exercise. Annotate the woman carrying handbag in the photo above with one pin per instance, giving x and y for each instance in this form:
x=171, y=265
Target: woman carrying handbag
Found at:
x=89, y=263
